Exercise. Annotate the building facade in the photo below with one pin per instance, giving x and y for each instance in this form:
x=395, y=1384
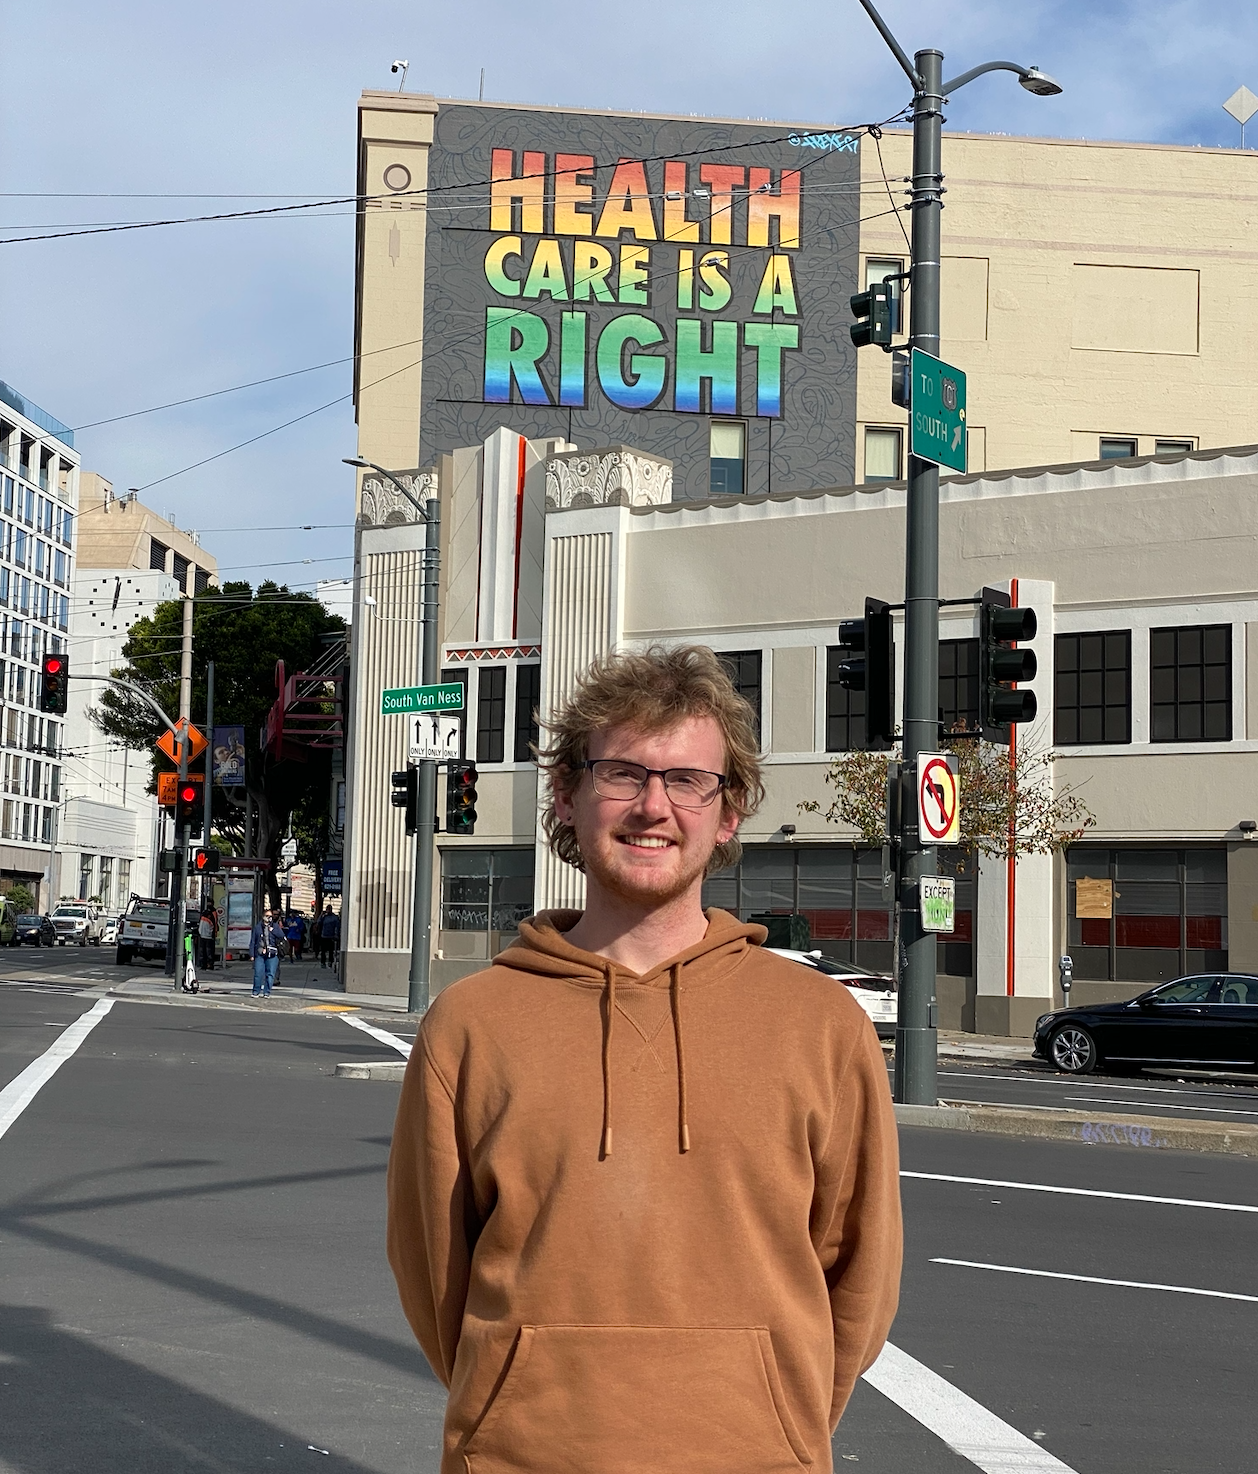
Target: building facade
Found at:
x=39, y=475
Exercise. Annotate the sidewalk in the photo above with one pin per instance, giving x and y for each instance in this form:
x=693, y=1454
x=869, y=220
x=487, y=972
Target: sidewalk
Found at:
x=955, y=1045
x=302, y=986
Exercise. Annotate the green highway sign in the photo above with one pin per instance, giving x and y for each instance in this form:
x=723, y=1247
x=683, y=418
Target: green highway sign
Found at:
x=406, y=699
x=936, y=411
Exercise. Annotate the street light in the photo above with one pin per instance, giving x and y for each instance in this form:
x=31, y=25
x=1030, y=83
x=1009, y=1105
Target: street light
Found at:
x=419, y=991
x=916, y=1039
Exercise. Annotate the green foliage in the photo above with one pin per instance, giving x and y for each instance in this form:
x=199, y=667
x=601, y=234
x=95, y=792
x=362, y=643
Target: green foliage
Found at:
x=20, y=898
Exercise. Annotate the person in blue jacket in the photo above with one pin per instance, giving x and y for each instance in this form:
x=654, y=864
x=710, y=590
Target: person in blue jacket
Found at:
x=265, y=943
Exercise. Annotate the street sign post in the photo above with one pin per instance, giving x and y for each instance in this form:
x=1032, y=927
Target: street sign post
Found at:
x=937, y=412
x=403, y=700
x=938, y=799
x=937, y=896
x=434, y=739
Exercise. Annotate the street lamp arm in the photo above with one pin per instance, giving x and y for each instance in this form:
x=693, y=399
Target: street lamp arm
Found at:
x=988, y=66
x=371, y=465
x=134, y=690
x=910, y=71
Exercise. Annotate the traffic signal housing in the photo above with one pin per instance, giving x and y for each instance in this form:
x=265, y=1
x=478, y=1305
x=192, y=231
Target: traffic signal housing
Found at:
x=869, y=666
x=55, y=690
x=874, y=310
x=461, y=798
x=190, y=803
x=406, y=795
x=1004, y=660
x=207, y=862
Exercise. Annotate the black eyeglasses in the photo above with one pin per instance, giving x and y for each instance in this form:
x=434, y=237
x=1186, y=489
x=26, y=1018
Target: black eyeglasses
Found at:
x=688, y=788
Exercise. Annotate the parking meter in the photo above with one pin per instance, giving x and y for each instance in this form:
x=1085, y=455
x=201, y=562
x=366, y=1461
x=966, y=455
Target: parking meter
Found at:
x=1066, y=972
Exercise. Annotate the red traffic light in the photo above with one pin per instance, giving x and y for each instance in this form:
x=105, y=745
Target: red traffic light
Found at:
x=188, y=794
x=52, y=666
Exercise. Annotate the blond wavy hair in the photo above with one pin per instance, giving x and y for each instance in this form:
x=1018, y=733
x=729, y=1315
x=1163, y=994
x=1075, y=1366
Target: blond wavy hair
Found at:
x=652, y=690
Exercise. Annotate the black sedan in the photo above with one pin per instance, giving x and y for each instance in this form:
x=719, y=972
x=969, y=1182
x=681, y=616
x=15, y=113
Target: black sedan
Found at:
x=37, y=930
x=1208, y=1021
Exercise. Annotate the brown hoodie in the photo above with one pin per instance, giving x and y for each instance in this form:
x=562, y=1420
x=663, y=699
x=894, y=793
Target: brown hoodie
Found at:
x=645, y=1225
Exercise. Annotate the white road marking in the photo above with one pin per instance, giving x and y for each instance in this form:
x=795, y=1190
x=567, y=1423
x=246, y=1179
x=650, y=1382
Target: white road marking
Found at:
x=966, y=1426
x=19, y=1092
x=392, y=1040
x=1165, y=1105
x=1091, y=1279
x=1035, y=1079
x=1083, y=1192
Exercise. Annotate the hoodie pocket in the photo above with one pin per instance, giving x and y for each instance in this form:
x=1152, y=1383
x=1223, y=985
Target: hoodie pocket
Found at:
x=639, y=1400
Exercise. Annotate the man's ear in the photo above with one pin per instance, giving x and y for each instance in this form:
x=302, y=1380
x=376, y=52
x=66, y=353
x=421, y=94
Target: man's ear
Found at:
x=729, y=824
x=561, y=796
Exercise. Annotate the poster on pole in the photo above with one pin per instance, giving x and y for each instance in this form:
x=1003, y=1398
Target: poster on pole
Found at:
x=229, y=757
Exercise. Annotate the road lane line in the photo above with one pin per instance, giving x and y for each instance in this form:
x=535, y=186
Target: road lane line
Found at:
x=1083, y=1192
x=1058, y=1079
x=1163, y=1105
x=966, y=1426
x=23, y=1089
x=392, y=1040
x=1091, y=1279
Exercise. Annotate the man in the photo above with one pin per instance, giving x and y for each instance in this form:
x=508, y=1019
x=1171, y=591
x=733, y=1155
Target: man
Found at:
x=207, y=932
x=327, y=934
x=643, y=1194
x=265, y=942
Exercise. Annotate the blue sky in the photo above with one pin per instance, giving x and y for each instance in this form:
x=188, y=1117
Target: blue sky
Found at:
x=259, y=99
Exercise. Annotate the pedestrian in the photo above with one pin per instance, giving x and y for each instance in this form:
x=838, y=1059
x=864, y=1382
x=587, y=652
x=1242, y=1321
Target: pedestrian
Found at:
x=328, y=933
x=295, y=932
x=207, y=932
x=698, y=1288
x=265, y=942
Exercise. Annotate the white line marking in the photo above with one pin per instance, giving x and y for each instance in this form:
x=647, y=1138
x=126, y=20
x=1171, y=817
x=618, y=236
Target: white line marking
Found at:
x=1164, y=1105
x=1091, y=1279
x=1057, y=1079
x=392, y=1040
x=1084, y=1192
x=966, y=1426
x=23, y=1089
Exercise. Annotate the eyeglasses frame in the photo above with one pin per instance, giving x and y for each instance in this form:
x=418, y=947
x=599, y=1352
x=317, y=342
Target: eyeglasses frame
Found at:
x=722, y=781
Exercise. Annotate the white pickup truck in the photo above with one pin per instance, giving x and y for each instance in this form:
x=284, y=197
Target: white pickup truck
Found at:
x=142, y=931
x=77, y=922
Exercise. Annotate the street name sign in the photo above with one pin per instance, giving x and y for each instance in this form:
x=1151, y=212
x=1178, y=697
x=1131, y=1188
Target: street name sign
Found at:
x=938, y=800
x=403, y=700
x=938, y=902
x=936, y=411
x=434, y=739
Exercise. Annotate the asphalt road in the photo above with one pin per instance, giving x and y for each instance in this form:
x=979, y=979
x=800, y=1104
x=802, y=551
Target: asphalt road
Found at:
x=191, y=1220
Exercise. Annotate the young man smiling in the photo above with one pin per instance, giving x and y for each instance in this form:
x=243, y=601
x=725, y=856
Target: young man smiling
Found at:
x=696, y=1290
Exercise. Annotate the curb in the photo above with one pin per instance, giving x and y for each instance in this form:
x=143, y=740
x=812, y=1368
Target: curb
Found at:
x=1158, y=1132
x=374, y=1069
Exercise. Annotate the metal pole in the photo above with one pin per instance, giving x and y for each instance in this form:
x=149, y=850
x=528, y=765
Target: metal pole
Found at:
x=178, y=918
x=209, y=737
x=916, y=1039
x=419, y=992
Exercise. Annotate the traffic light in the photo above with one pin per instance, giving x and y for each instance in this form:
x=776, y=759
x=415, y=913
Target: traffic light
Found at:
x=1000, y=626
x=870, y=667
x=874, y=311
x=207, y=862
x=461, y=798
x=189, y=802
x=54, y=693
x=406, y=795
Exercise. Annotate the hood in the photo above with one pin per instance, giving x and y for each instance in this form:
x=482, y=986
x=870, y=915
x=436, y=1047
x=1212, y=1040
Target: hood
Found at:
x=543, y=950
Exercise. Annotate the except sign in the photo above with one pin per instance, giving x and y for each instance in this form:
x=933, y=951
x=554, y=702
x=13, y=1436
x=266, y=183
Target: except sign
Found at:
x=937, y=412
x=938, y=897
x=938, y=800
x=405, y=699
x=434, y=739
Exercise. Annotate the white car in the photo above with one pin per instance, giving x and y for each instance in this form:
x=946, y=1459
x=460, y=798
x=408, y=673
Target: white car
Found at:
x=109, y=933
x=77, y=922
x=874, y=991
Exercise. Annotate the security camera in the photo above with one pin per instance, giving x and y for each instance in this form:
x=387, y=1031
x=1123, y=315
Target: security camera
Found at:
x=399, y=66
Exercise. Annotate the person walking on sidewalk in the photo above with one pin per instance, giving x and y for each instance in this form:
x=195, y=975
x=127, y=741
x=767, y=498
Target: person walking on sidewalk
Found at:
x=327, y=934
x=644, y=1209
x=207, y=932
x=264, y=948
x=295, y=932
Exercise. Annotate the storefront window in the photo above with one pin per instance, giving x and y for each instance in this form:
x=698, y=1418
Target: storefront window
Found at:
x=486, y=890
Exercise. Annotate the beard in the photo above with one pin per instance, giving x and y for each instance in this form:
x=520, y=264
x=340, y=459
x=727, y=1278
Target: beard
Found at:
x=615, y=869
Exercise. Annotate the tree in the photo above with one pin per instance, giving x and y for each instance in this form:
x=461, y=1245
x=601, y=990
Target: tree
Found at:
x=1009, y=803
x=245, y=634
x=20, y=898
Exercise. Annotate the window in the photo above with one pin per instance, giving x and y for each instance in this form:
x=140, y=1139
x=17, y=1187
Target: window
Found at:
x=157, y=555
x=200, y=580
x=1116, y=448
x=727, y=458
x=63, y=616
x=1142, y=916
x=4, y=585
x=491, y=712
x=958, y=685
x=19, y=548
x=1190, y=684
x=181, y=573
x=882, y=454
x=24, y=596
x=42, y=564
x=744, y=670
x=1092, y=687
x=8, y=496
x=67, y=526
x=449, y=676
x=106, y=880
x=1172, y=447
x=124, y=882
x=86, y=867
x=845, y=710
x=59, y=568
x=45, y=828
x=528, y=695
x=485, y=890
x=877, y=267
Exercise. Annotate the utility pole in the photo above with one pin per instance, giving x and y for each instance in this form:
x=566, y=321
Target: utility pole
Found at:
x=916, y=1036
x=178, y=914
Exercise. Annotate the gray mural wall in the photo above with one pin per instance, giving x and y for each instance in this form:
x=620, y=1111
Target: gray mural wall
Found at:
x=622, y=279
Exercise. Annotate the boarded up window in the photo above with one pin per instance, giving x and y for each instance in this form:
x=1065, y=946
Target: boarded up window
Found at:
x=1135, y=309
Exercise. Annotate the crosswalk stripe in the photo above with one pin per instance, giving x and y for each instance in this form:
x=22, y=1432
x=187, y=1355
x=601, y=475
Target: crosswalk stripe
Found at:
x=23, y=1089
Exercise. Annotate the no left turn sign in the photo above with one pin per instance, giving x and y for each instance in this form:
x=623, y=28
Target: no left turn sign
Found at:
x=938, y=800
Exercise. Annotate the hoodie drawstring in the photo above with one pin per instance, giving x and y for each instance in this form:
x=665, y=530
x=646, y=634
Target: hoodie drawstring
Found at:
x=674, y=997
x=607, y=1060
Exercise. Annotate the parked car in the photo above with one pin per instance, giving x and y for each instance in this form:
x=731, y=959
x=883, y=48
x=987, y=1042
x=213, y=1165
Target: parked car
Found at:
x=144, y=926
x=109, y=931
x=37, y=930
x=78, y=922
x=8, y=916
x=1208, y=1021
x=874, y=991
